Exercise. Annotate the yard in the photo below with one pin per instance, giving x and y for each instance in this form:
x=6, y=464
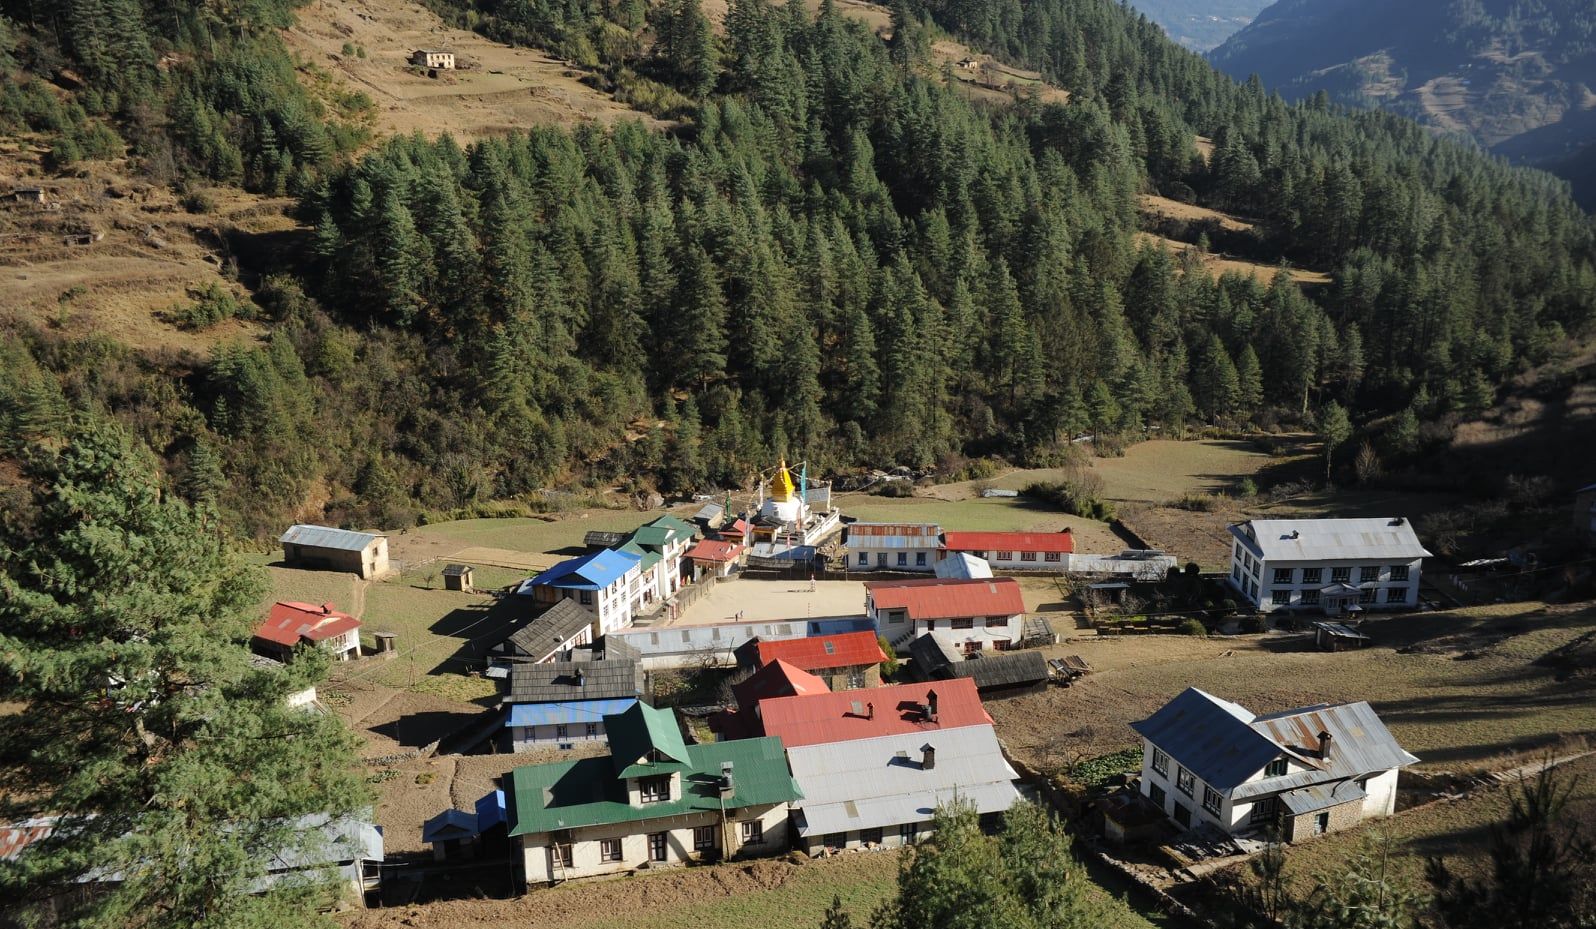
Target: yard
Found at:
x=993, y=514
x=1460, y=689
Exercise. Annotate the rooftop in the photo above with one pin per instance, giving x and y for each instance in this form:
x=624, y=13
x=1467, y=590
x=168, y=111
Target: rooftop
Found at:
x=327, y=537
x=961, y=566
x=562, y=681
x=1382, y=538
x=675, y=640
x=456, y=570
x=937, y=657
x=893, y=535
x=900, y=709
x=714, y=551
x=777, y=679
x=290, y=621
x=551, y=628
x=567, y=712
x=948, y=598
x=1062, y=541
x=645, y=740
x=829, y=651
x=594, y=571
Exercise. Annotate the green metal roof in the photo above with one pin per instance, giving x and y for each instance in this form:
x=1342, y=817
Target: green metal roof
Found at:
x=671, y=522
x=653, y=535
x=650, y=558
x=640, y=731
x=569, y=794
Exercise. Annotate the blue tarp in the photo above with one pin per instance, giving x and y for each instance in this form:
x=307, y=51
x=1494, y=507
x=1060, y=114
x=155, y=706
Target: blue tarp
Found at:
x=490, y=811
x=567, y=712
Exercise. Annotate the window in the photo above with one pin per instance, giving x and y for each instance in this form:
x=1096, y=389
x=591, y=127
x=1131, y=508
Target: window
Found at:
x=1368, y=573
x=908, y=832
x=836, y=841
x=1321, y=824
x=1310, y=598
x=1366, y=595
x=1160, y=762
x=864, y=559
x=1052, y=557
x=1235, y=572
x=1283, y=575
x=1340, y=575
x=1280, y=598
x=704, y=838
x=1238, y=551
x=1312, y=575
x=903, y=559
x=964, y=623
x=1156, y=794
x=753, y=832
x=655, y=789
x=1276, y=768
x=592, y=730
x=856, y=678
x=657, y=846
x=870, y=837
x=919, y=559
x=586, y=597
x=1184, y=781
x=996, y=622
x=565, y=852
x=1004, y=556
x=1247, y=561
x=1212, y=800
x=1263, y=812
x=1027, y=556
x=1182, y=814
x=560, y=732
x=1399, y=572
x=1396, y=595
x=971, y=648
x=610, y=850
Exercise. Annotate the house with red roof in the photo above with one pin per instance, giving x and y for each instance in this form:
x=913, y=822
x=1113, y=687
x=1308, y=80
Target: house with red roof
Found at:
x=291, y=624
x=714, y=558
x=898, y=709
x=848, y=660
x=979, y=614
x=1015, y=551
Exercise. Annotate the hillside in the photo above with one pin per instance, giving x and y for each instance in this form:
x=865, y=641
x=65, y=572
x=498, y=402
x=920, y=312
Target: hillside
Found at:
x=1518, y=81
x=1200, y=24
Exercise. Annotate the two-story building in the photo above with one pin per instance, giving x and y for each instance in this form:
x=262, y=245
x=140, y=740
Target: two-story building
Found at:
x=553, y=635
x=653, y=802
x=894, y=546
x=979, y=613
x=1043, y=552
x=290, y=624
x=846, y=661
x=559, y=703
x=660, y=545
x=1299, y=773
x=608, y=584
x=1335, y=566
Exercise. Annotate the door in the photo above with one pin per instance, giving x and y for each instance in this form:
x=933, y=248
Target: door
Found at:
x=1182, y=814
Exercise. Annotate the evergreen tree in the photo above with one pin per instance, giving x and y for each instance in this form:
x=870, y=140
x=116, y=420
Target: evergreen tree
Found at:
x=1249, y=380
x=1367, y=895
x=1334, y=429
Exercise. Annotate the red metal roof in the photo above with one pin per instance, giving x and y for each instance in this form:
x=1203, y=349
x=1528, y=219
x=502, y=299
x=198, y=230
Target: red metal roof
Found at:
x=290, y=621
x=823, y=651
x=777, y=679
x=738, y=528
x=949, y=598
x=1009, y=541
x=816, y=719
x=715, y=551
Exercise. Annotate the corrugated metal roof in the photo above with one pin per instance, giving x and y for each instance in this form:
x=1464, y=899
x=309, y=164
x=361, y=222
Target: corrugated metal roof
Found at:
x=1360, y=744
x=880, y=782
x=944, y=598
x=893, y=535
x=639, y=732
x=863, y=714
x=714, y=551
x=566, y=712
x=1322, y=797
x=1209, y=737
x=1062, y=541
x=490, y=810
x=565, y=681
x=290, y=621
x=776, y=679
x=328, y=537
x=939, y=658
x=1381, y=539
x=603, y=538
x=825, y=651
x=589, y=572
x=450, y=824
x=672, y=640
x=963, y=566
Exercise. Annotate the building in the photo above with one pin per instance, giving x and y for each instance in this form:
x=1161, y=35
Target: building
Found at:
x=714, y=558
x=452, y=834
x=304, y=699
x=894, y=546
x=654, y=801
x=715, y=645
x=1335, y=637
x=290, y=624
x=320, y=547
x=607, y=584
x=1015, y=551
x=791, y=514
x=901, y=709
x=883, y=791
x=432, y=59
x=554, y=635
x=560, y=703
x=937, y=657
x=660, y=545
x=1335, y=566
x=457, y=577
x=979, y=613
x=959, y=566
x=1585, y=515
x=850, y=660
x=1300, y=773
x=776, y=679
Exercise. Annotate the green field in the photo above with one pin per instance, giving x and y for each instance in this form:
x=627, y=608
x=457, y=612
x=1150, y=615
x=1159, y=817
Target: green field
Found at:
x=535, y=535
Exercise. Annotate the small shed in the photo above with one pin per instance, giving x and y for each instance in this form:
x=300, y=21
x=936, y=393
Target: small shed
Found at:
x=1337, y=637
x=29, y=195
x=452, y=834
x=457, y=577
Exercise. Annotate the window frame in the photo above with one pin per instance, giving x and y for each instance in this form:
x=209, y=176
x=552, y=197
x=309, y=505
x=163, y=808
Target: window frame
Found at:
x=609, y=849
x=1265, y=810
x=704, y=839
x=965, y=623
x=1157, y=794
x=1341, y=575
x=1213, y=800
x=1400, y=573
x=1368, y=574
x=1285, y=575
x=1280, y=767
x=1052, y=557
x=1002, y=556
x=1310, y=598
x=1160, y=761
x=1280, y=598
x=864, y=559
x=1313, y=575
x=648, y=789
x=903, y=559
x=752, y=831
x=908, y=833
x=1027, y=556
x=659, y=846
x=919, y=559
x=1185, y=781
x=875, y=836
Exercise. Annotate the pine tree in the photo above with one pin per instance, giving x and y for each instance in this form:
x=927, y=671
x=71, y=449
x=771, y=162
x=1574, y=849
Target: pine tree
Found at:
x=169, y=758
x=1249, y=381
x=1217, y=386
x=1367, y=895
x=700, y=321
x=1334, y=429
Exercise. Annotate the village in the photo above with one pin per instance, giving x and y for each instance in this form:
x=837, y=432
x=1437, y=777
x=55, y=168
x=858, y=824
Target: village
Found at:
x=761, y=675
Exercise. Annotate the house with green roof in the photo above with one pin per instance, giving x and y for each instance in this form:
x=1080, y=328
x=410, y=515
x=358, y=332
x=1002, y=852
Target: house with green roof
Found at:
x=661, y=544
x=653, y=802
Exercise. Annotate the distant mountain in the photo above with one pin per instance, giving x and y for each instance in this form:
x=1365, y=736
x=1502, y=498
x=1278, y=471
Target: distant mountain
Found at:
x=1517, y=77
x=1200, y=24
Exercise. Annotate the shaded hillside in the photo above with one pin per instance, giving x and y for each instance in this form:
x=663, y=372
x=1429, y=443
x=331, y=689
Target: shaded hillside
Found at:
x=1200, y=24
x=1516, y=78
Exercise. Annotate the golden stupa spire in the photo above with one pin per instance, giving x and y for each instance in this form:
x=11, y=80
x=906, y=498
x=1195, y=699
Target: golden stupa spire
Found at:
x=782, y=489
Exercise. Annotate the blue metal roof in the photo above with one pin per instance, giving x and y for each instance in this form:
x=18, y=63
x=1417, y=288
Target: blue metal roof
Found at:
x=589, y=572
x=490, y=811
x=567, y=712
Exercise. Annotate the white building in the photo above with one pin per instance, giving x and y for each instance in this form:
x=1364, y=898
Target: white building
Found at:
x=608, y=584
x=894, y=546
x=1300, y=773
x=978, y=614
x=432, y=58
x=1331, y=565
x=660, y=545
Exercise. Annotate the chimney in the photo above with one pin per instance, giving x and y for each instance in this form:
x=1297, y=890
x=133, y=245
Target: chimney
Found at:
x=931, y=705
x=1397, y=521
x=725, y=778
x=326, y=609
x=928, y=758
x=1324, y=744
x=580, y=678
x=870, y=711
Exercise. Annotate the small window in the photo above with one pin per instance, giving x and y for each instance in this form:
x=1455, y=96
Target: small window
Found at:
x=654, y=789
x=830, y=646
x=1310, y=598
x=919, y=559
x=903, y=559
x=1276, y=768
x=997, y=622
x=566, y=853
x=856, y=678
x=1005, y=556
x=864, y=559
x=907, y=832
x=1053, y=557
x=1184, y=781
x=1263, y=812
x=657, y=845
x=870, y=837
x=592, y=730
x=1160, y=762
x=836, y=841
x=610, y=850
x=1212, y=800
x=1340, y=575
x=1283, y=575
x=1235, y=572
x=561, y=733
x=1156, y=794
x=1312, y=575
x=1366, y=595
x=1399, y=572
x=964, y=623
x=704, y=838
x=753, y=832
x=881, y=559
x=1027, y=556
x=1368, y=573
x=1321, y=824
x=586, y=598
x=1280, y=598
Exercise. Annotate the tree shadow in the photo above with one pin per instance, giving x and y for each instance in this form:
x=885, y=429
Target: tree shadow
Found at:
x=414, y=730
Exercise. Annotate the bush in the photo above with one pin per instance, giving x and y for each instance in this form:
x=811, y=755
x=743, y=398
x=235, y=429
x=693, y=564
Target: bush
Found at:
x=211, y=305
x=1198, y=503
x=889, y=668
x=895, y=489
x=1192, y=626
x=198, y=200
x=1247, y=488
x=1079, y=495
x=1251, y=623
x=1108, y=446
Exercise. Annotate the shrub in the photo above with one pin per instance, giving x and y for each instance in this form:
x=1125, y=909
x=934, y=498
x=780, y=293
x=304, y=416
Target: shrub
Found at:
x=198, y=200
x=1079, y=494
x=1108, y=446
x=889, y=668
x=1246, y=488
x=211, y=305
x=1251, y=623
x=348, y=50
x=1192, y=626
x=1198, y=503
x=895, y=489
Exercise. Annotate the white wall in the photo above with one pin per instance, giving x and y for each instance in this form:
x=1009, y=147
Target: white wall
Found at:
x=525, y=738
x=883, y=558
x=586, y=852
x=1263, y=571
x=1382, y=791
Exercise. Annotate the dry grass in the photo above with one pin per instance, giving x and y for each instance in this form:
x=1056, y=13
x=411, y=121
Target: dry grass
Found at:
x=981, y=514
x=1174, y=209
x=1219, y=266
